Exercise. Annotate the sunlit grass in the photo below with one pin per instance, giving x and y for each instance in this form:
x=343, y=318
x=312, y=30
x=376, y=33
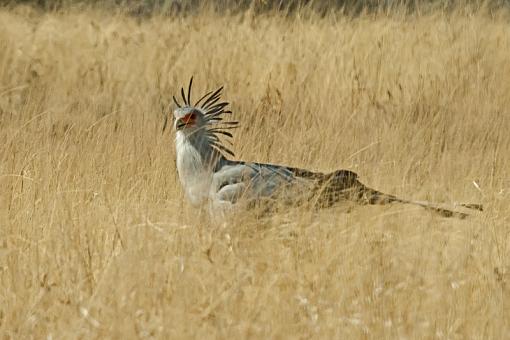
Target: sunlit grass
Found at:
x=97, y=240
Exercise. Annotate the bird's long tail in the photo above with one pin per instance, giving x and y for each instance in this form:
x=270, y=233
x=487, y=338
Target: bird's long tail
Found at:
x=344, y=185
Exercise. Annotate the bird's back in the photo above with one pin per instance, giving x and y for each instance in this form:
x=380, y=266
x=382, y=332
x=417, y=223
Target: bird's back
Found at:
x=252, y=182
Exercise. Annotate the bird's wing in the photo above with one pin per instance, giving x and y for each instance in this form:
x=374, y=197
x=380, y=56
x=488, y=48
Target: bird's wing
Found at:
x=255, y=181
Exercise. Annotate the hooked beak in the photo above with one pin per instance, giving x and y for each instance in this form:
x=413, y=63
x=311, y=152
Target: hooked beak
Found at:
x=180, y=125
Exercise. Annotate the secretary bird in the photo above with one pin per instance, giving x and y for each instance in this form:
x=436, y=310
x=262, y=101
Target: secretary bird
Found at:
x=210, y=178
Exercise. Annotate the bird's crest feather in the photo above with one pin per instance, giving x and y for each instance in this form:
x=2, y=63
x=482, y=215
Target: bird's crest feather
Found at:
x=213, y=109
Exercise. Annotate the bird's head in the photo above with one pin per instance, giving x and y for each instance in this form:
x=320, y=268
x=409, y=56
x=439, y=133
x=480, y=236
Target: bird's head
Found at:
x=204, y=118
x=189, y=120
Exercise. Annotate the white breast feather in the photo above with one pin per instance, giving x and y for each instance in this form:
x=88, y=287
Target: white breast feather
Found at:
x=194, y=175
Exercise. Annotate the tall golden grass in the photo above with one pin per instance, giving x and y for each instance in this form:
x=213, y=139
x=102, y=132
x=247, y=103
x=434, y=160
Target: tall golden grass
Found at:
x=97, y=240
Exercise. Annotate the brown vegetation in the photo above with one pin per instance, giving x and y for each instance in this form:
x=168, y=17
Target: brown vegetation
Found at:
x=96, y=239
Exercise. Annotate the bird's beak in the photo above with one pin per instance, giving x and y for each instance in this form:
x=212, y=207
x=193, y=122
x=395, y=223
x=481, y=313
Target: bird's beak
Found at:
x=179, y=125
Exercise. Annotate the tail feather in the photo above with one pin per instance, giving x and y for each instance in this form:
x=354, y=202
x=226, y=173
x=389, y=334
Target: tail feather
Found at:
x=344, y=185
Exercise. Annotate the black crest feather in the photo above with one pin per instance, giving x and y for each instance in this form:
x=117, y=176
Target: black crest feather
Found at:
x=213, y=109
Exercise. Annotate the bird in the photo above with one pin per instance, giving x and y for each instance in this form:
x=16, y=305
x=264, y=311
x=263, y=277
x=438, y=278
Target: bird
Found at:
x=210, y=178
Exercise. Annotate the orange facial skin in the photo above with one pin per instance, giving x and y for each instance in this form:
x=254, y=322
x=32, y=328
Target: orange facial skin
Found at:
x=188, y=120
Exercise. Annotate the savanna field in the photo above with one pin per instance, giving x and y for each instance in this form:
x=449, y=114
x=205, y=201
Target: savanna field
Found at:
x=98, y=241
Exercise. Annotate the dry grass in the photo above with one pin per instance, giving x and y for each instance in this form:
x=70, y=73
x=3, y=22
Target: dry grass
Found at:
x=96, y=240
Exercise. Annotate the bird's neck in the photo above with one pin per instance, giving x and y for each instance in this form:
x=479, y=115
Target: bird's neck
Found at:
x=196, y=162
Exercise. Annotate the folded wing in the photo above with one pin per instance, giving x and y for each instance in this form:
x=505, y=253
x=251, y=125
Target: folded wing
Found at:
x=252, y=182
